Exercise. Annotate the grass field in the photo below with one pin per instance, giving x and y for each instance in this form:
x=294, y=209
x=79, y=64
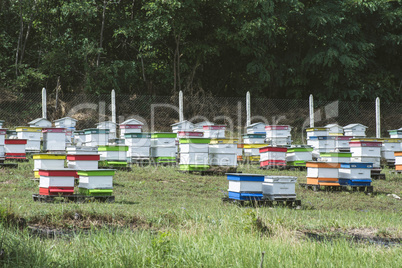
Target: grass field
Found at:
x=163, y=218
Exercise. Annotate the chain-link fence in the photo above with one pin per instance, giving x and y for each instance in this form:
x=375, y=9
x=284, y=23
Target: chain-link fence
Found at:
x=159, y=112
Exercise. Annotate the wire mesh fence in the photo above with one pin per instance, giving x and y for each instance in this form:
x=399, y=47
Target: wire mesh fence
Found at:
x=159, y=112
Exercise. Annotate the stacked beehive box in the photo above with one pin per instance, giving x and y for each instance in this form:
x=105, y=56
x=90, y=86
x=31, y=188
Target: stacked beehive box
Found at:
x=163, y=147
x=355, y=130
x=214, y=132
x=223, y=152
x=298, y=155
x=69, y=124
x=398, y=160
x=82, y=158
x=256, y=128
x=364, y=151
x=33, y=137
x=3, y=133
x=321, y=144
x=334, y=130
x=355, y=174
x=395, y=133
x=335, y=157
x=40, y=122
x=323, y=173
x=95, y=137
x=108, y=125
x=317, y=131
x=252, y=144
x=278, y=135
x=48, y=162
x=389, y=147
x=342, y=143
x=130, y=126
x=245, y=187
x=56, y=182
x=279, y=187
x=139, y=146
x=54, y=139
x=193, y=148
x=96, y=182
x=14, y=149
x=272, y=156
x=113, y=155
x=182, y=126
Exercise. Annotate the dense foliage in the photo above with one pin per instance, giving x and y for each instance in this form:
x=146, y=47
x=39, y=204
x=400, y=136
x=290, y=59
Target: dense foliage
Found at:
x=334, y=49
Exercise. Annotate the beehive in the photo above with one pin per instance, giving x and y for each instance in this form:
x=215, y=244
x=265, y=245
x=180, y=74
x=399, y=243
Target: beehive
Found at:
x=115, y=153
x=256, y=128
x=252, y=151
x=54, y=139
x=254, y=138
x=323, y=173
x=334, y=129
x=342, y=142
x=15, y=149
x=322, y=144
x=299, y=155
x=278, y=135
x=223, y=152
x=56, y=182
x=163, y=147
x=317, y=131
x=95, y=137
x=272, y=156
x=355, y=130
x=48, y=162
x=32, y=135
x=366, y=152
x=82, y=161
x=244, y=186
x=355, y=174
x=389, y=147
x=215, y=131
x=194, y=154
x=139, y=145
x=97, y=182
x=182, y=126
x=275, y=187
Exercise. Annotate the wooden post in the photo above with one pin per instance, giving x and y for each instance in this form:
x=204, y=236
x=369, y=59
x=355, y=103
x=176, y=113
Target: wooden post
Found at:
x=181, y=115
x=44, y=103
x=248, y=109
x=377, y=118
x=311, y=105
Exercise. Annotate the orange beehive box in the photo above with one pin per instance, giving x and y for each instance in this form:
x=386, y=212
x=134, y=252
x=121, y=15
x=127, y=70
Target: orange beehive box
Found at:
x=398, y=167
x=323, y=165
x=398, y=153
x=323, y=181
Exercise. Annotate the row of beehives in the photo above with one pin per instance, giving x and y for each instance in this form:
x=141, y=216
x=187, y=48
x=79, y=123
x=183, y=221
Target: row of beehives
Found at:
x=82, y=164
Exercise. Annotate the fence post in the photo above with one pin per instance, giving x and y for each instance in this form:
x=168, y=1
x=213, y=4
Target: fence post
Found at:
x=377, y=118
x=113, y=106
x=311, y=105
x=181, y=116
x=44, y=103
x=248, y=109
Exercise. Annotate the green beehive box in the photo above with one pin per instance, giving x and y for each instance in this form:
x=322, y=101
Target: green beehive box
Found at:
x=96, y=172
x=297, y=163
x=163, y=135
x=104, y=148
x=197, y=140
x=336, y=154
x=112, y=163
x=194, y=167
x=166, y=159
x=95, y=192
x=300, y=149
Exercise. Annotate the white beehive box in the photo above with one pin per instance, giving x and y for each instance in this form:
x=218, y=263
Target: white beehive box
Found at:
x=54, y=139
x=139, y=152
x=65, y=122
x=223, y=159
x=49, y=161
x=277, y=131
x=199, y=126
x=395, y=133
x=56, y=178
x=355, y=170
x=389, y=147
x=323, y=172
x=355, y=130
x=113, y=152
x=193, y=147
x=367, y=159
x=342, y=142
x=182, y=126
x=163, y=151
x=40, y=122
x=111, y=126
x=216, y=131
x=15, y=146
x=334, y=129
x=82, y=150
x=279, y=186
x=322, y=143
x=317, y=131
x=254, y=138
x=32, y=135
x=368, y=149
x=130, y=126
x=95, y=137
x=138, y=139
x=279, y=141
x=335, y=157
x=256, y=128
x=194, y=158
x=3, y=133
x=245, y=183
x=96, y=178
x=299, y=154
x=83, y=161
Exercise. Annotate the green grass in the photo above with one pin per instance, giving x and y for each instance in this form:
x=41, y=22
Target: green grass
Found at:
x=169, y=219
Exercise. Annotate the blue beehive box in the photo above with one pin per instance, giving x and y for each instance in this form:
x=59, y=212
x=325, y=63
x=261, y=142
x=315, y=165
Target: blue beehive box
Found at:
x=355, y=182
x=355, y=174
x=245, y=187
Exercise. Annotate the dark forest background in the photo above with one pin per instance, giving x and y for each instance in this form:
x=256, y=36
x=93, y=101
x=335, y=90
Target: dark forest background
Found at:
x=347, y=50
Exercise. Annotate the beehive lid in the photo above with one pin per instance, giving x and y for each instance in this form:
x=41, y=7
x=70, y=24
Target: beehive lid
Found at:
x=280, y=179
x=392, y=140
x=316, y=129
x=28, y=129
x=356, y=165
x=96, y=131
x=277, y=127
x=244, y=177
x=49, y=156
x=137, y=135
x=53, y=130
x=322, y=137
x=104, y=148
x=15, y=141
x=132, y=122
x=224, y=141
x=58, y=173
x=254, y=136
x=255, y=146
x=365, y=144
x=323, y=165
x=351, y=126
x=197, y=140
x=96, y=172
x=300, y=149
x=335, y=154
x=273, y=149
x=164, y=135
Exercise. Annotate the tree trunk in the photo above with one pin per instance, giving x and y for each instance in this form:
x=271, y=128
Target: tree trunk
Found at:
x=28, y=30
x=19, y=40
x=101, y=33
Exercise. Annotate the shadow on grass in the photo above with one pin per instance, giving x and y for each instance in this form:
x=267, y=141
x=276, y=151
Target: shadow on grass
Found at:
x=127, y=202
x=354, y=238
